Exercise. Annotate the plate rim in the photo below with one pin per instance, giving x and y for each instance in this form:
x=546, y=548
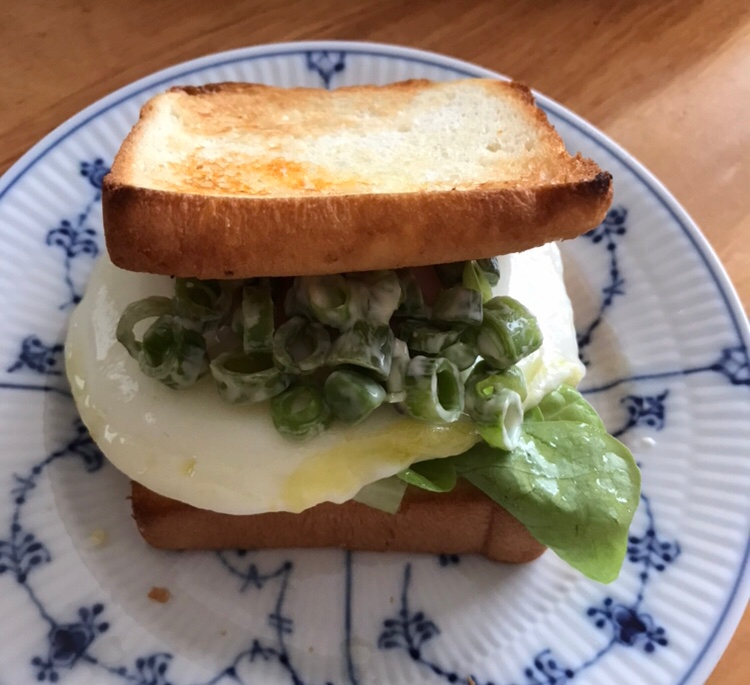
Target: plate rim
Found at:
x=731, y=614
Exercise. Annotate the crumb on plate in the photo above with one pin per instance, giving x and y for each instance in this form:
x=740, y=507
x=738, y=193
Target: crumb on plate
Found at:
x=159, y=594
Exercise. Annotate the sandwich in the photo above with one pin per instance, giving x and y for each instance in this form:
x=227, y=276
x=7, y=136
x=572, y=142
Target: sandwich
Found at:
x=338, y=319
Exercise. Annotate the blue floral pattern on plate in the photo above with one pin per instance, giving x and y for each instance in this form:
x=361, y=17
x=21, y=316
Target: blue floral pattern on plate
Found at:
x=69, y=641
x=74, y=238
x=408, y=630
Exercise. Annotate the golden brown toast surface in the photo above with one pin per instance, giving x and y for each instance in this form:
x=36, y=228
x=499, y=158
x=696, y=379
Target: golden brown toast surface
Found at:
x=464, y=521
x=241, y=180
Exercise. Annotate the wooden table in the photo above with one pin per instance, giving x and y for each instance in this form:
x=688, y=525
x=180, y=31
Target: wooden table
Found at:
x=669, y=80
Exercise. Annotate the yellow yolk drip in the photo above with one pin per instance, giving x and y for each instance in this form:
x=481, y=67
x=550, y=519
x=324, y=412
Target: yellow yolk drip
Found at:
x=405, y=443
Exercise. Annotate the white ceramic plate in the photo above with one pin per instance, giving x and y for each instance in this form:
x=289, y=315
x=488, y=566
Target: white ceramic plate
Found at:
x=667, y=346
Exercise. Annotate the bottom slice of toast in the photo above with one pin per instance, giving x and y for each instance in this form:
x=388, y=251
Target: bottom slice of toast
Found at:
x=463, y=521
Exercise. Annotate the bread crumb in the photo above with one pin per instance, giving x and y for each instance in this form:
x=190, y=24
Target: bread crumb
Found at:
x=159, y=594
x=222, y=633
x=98, y=537
x=392, y=600
x=470, y=681
x=310, y=650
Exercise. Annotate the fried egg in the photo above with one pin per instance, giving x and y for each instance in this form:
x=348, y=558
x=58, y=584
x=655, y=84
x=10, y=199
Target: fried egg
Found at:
x=192, y=446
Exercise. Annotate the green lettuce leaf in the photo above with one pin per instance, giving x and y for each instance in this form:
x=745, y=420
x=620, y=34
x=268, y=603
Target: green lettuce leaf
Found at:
x=576, y=492
x=435, y=475
x=566, y=404
x=573, y=486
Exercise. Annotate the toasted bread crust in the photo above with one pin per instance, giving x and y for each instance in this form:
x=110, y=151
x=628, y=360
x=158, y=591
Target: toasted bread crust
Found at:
x=464, y=521
x=241, y=234
x=204, y=236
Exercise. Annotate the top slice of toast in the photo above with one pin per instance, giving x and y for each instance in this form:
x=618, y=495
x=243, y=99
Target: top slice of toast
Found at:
x=240, y=180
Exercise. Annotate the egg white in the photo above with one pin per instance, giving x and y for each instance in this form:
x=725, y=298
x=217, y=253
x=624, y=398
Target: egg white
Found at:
x=193, y=447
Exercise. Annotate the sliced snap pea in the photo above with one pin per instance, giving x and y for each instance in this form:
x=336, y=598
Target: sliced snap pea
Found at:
x=458, y=305
x=424, y=338
x=512, y=379
x=463, y=352
x=396, y=378
x=412, y=303
x=475, y=279
x=295, y=300
x=300, y=412
x=495, y=402
x=383, y=294
x=491, y=269
x=506, y=431
x=508, y=333
x=246, y=378
x=434, y=391
x=365, y=345
x=352, y=396
x=172, y=353
x=372, y=365
x=335, y=301
x=253, y=320
x=134, y=313
x=205, y=302
x=300, y=346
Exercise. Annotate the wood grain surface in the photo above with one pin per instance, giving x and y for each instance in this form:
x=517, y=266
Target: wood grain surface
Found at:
x=669, y=80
